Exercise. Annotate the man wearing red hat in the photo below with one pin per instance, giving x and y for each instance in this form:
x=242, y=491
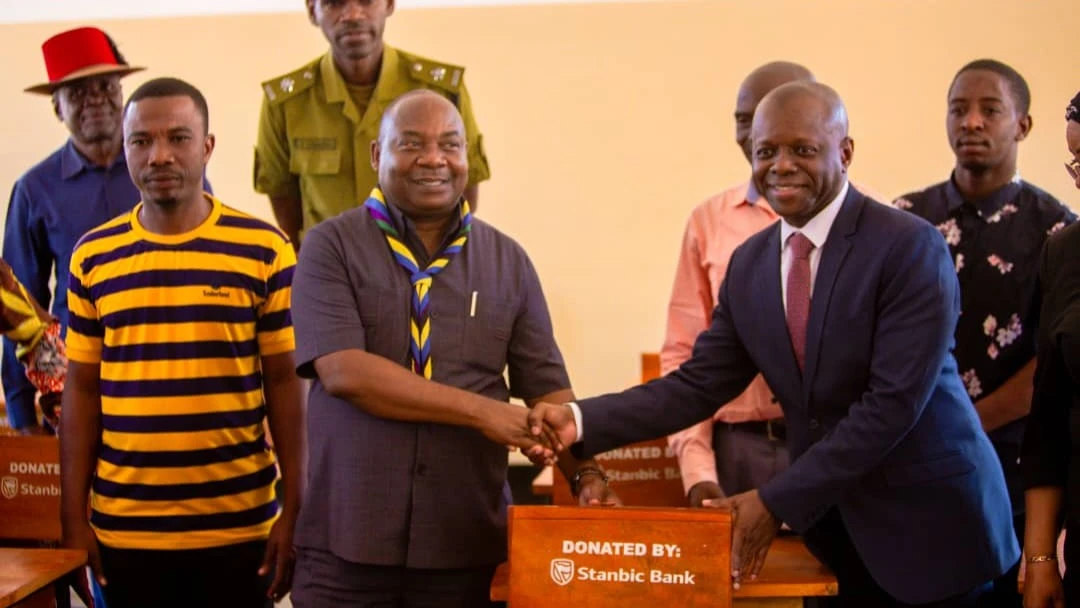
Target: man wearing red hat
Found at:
x=79, y=186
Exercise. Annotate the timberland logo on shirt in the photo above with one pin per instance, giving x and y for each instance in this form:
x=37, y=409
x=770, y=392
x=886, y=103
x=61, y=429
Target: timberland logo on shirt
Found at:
x=9, y=486
x=216, y=291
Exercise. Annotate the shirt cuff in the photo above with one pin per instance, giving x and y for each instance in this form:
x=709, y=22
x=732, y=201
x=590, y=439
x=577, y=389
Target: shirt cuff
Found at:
x=577, y=420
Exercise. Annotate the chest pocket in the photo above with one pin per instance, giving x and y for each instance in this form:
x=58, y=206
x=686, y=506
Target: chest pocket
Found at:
x=385, y=318
x=311, y=161
x=487, y=332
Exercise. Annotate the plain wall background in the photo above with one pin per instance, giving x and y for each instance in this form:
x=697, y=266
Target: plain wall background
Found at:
x=606, y=123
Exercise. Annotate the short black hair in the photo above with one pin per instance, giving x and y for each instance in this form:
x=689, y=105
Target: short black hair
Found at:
x=1021, y=93
x=172, y=87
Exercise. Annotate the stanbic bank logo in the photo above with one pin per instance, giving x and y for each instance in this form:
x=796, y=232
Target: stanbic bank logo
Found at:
x=562, y=570
x=10, y=487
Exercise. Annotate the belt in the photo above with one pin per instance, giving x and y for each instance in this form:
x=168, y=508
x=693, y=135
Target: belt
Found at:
x=775, y=429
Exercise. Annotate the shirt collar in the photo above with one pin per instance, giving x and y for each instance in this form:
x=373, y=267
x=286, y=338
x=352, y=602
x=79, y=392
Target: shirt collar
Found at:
x=752, y=194
x=337, y=91
x=988, y=205
x=407, y=230
x=817, y=229
x=72, y=162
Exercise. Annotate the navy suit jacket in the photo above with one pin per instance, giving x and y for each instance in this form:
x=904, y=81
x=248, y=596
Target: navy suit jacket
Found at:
x=879, y=426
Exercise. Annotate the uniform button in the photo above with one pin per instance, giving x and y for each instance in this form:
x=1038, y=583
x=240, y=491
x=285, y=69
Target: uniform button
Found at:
x=814, y=424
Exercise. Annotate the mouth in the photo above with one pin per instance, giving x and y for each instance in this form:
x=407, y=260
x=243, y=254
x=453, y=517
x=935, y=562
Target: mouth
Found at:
x=786, y=189
x=430, y=182
x=971, y=144
x=355, y=36
x=162, y=180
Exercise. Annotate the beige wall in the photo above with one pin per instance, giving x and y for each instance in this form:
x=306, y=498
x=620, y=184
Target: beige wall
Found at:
x=605, y=124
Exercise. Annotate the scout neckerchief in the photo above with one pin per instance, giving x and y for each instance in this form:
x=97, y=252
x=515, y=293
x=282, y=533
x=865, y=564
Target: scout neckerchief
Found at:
x=420, y=321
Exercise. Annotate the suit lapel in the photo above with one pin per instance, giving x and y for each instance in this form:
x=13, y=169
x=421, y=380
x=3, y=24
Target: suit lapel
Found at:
x=837, y=246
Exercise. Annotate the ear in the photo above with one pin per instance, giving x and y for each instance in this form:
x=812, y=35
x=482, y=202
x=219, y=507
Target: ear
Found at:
x=1023, y=127
x=376, y=155
x=208, y=148
x=389, y=7
x=56, y=106
x=847, y=152
x=311, y=11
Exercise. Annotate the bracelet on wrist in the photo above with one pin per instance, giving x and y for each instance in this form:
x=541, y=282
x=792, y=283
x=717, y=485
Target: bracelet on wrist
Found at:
x=1042, y=557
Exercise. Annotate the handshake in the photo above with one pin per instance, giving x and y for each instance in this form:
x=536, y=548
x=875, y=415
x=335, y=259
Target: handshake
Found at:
x=540, y=432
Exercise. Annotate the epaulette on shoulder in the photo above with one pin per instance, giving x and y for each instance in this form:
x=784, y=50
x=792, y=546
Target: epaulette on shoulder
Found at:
x=283, y=87
x=445, y=76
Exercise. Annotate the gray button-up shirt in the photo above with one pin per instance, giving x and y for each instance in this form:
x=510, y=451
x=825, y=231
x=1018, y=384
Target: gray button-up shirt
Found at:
x=421, y=495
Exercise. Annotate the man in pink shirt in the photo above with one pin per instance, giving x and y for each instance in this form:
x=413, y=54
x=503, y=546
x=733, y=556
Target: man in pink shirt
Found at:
x=744, y=444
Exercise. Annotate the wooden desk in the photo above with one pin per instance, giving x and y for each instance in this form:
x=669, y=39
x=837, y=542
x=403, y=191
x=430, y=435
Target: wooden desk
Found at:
x=27, y=575
x=790, y=574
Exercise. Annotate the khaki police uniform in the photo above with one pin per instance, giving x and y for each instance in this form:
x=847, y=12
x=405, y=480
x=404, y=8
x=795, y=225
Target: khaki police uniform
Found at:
x=314, y=144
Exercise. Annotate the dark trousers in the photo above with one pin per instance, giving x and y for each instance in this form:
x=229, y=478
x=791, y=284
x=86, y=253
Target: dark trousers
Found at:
x=832, y=545
x=225, y=577
x=745, y=460
x=1005, y=593
x=324, y=580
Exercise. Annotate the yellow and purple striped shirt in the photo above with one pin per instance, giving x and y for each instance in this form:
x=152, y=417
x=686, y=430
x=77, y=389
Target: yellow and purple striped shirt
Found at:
x=178, y=324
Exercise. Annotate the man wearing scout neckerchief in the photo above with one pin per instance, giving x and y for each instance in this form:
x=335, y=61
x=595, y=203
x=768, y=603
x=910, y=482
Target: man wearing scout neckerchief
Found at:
x=407, y=310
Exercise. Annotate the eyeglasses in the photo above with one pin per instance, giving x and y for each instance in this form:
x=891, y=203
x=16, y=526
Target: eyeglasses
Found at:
x=80, y=90
x=1073, y=167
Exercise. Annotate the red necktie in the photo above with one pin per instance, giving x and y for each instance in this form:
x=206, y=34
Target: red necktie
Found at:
x=798, y=294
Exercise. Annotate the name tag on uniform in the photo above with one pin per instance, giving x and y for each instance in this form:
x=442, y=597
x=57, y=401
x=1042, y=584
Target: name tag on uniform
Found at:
x=315, y=143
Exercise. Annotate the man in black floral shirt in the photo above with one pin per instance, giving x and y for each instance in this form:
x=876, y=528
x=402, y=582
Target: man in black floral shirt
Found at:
x=995, y=225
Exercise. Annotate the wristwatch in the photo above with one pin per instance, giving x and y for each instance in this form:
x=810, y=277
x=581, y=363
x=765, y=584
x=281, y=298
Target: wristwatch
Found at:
x=575, y=480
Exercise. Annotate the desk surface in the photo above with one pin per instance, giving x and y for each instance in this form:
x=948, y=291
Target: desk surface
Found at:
x=790, y=571
x=28, y=570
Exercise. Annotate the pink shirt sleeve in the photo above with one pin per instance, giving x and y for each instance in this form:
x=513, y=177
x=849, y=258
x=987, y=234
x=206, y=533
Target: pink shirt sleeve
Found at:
x=688, y=313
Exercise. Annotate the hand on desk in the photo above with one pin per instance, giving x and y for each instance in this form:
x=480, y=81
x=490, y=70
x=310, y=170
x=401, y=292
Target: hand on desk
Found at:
x=753, y=529
x=702, y=491
x=595, y=492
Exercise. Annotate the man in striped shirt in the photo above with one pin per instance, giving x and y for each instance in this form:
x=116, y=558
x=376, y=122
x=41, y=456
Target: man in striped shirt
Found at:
x=180, y=343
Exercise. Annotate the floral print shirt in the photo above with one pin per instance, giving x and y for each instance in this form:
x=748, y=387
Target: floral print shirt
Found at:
x=995, y=243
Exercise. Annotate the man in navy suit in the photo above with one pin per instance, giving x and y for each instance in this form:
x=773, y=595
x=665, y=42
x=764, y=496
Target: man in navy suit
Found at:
x=847, y=307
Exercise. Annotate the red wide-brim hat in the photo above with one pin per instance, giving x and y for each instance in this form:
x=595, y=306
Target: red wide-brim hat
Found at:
x=78, y=53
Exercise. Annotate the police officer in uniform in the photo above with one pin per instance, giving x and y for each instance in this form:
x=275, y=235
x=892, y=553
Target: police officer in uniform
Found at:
x=316, y=125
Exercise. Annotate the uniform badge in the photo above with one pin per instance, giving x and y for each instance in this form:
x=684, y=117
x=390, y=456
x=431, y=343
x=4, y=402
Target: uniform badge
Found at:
x=438, y=73
x=287, y=84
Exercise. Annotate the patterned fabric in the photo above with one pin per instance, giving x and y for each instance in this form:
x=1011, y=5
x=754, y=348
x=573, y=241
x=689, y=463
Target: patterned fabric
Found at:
x=995, y=243
x=798, y=294
x=420, y=322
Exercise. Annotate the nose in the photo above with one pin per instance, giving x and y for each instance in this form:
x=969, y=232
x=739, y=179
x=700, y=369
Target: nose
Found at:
x=972, y=120
x=352, y=11
x=431, y=155
x=783, y=163
x=160, y=154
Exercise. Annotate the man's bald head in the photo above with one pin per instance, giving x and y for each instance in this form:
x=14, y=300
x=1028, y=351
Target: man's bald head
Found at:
x=420, y=154
x=421, y=100
x=801, y=149
x=821, y=97
x=757, y=85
